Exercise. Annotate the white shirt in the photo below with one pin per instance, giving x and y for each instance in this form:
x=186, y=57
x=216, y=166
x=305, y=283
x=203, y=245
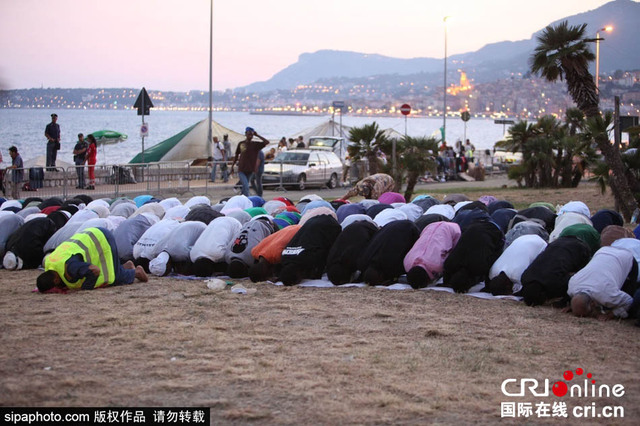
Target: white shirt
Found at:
x=517, y=257
x=215, y=239
x=145, y=245
x=603, y=277
x=565, y=220
x=217, y=151
x=180, y=240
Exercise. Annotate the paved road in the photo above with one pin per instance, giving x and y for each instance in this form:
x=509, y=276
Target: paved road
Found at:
x=222, y=191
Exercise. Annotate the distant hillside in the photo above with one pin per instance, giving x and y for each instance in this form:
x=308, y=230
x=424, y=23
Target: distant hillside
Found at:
x=620, y=50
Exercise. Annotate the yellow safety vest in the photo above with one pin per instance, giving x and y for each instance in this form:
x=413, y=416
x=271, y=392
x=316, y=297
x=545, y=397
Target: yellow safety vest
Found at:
x=94, y=248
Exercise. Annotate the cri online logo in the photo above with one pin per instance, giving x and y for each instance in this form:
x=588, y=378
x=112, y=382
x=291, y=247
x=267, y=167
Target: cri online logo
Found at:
x=586, y=388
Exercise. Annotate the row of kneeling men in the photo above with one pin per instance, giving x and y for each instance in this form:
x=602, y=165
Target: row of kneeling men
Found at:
x=565, y=254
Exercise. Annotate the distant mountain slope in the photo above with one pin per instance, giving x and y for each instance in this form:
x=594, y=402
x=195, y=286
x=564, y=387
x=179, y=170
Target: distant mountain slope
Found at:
x=332, y=63
x=620, y=50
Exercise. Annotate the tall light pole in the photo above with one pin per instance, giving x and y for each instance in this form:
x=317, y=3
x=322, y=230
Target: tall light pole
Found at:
x=444, y=113
x=209, y=135
x=608, y=29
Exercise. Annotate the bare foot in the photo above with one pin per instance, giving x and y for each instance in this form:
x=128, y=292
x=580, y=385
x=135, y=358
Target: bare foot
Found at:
x=141, y=274
x=128, y=265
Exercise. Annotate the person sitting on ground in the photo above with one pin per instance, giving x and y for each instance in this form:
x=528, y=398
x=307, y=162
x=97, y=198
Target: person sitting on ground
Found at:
x=371, y=187
x=381, y=262
x=342, y=262
x=470, y=260
x=268, y=253
x=143, y=249
x=548, y=275
x=506, y=272
x=130, y=231
x=9, y=223
x=208, y=254
x=306, y=254
x=600, y=284
x=25, y=247
x=425, y=261
x=88, y=260
x=239, y=256
x=171, y=253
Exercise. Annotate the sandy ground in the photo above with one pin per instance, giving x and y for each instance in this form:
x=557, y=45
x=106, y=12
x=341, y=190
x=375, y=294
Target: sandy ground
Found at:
x=301, y=355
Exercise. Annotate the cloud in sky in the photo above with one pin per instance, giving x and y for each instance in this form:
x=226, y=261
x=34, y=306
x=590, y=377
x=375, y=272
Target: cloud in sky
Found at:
x=164, y=44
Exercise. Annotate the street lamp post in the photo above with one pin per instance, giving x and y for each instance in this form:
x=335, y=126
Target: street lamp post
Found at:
x=210, y=119
x=444, y=112
x=608, y=28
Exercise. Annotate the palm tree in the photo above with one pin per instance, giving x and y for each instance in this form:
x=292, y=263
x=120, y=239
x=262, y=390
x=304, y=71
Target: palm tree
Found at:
x=563, y=53
x=518, y=140
x=416, y=157
x=367, y=140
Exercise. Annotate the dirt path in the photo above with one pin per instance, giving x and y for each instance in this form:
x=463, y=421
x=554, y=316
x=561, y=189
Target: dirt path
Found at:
x=296, y=355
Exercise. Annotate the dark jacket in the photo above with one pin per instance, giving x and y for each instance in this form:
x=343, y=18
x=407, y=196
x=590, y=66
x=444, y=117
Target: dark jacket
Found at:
x=28, y=241
x=471, y=259
x=388, y=247
x=548, y=275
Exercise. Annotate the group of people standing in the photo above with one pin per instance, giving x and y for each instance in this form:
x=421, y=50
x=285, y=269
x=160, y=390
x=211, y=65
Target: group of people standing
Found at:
x=452, y=161
x=250, y=159
x=85, y=152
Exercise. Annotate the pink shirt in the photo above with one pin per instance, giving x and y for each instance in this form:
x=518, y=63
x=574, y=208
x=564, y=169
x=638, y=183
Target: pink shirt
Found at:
x=432, y=248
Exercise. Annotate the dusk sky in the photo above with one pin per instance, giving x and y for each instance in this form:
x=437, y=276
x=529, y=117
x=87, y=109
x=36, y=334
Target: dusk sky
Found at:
x=164, y=44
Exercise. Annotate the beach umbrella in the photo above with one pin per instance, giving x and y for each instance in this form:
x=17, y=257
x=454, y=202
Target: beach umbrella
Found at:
x=108, y=137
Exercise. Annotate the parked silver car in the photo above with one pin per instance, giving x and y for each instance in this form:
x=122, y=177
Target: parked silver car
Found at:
x=302, y=168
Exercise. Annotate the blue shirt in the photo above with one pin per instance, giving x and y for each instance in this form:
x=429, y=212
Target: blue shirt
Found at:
x=77, y=268
x=53, y=130
x=17, y=175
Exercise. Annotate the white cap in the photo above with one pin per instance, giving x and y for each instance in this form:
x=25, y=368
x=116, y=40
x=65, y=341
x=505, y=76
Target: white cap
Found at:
x=11, y=261
x=158, y=266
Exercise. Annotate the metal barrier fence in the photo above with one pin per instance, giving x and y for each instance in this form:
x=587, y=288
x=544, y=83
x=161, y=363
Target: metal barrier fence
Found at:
x=129, y=180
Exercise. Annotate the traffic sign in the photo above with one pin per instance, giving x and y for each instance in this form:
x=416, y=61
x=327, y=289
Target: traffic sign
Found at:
x=338, y=104
x=143, y=103
x=405, y=109
x=144, y=130
x=465, y=116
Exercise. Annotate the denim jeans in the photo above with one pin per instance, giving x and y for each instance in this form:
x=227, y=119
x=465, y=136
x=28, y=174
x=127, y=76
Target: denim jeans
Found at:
x=123, y=276
x=244, y=180
x=256, y=183
x=214, y=169
x=80, y=172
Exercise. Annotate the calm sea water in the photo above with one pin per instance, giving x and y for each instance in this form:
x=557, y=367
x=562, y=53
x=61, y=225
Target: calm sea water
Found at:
x=25, y=128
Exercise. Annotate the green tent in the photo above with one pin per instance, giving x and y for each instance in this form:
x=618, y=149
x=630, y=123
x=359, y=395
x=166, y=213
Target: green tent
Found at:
x=188, y=145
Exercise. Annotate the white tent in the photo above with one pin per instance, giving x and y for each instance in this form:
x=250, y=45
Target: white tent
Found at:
x=392, y=133
x=188, y=145
x=327, y=128
x=41, y=161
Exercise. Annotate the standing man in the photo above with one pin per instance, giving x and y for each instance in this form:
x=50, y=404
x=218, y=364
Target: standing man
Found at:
x=17, y=174
x=256, y=179
x=52, y=133
x=469, y=151
x=79, y=152
x=301, y=144
x=247, y=157
x=218, y=156
x=226, y=154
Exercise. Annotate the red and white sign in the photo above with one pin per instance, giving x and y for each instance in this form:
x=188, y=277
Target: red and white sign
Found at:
x=405, y=109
